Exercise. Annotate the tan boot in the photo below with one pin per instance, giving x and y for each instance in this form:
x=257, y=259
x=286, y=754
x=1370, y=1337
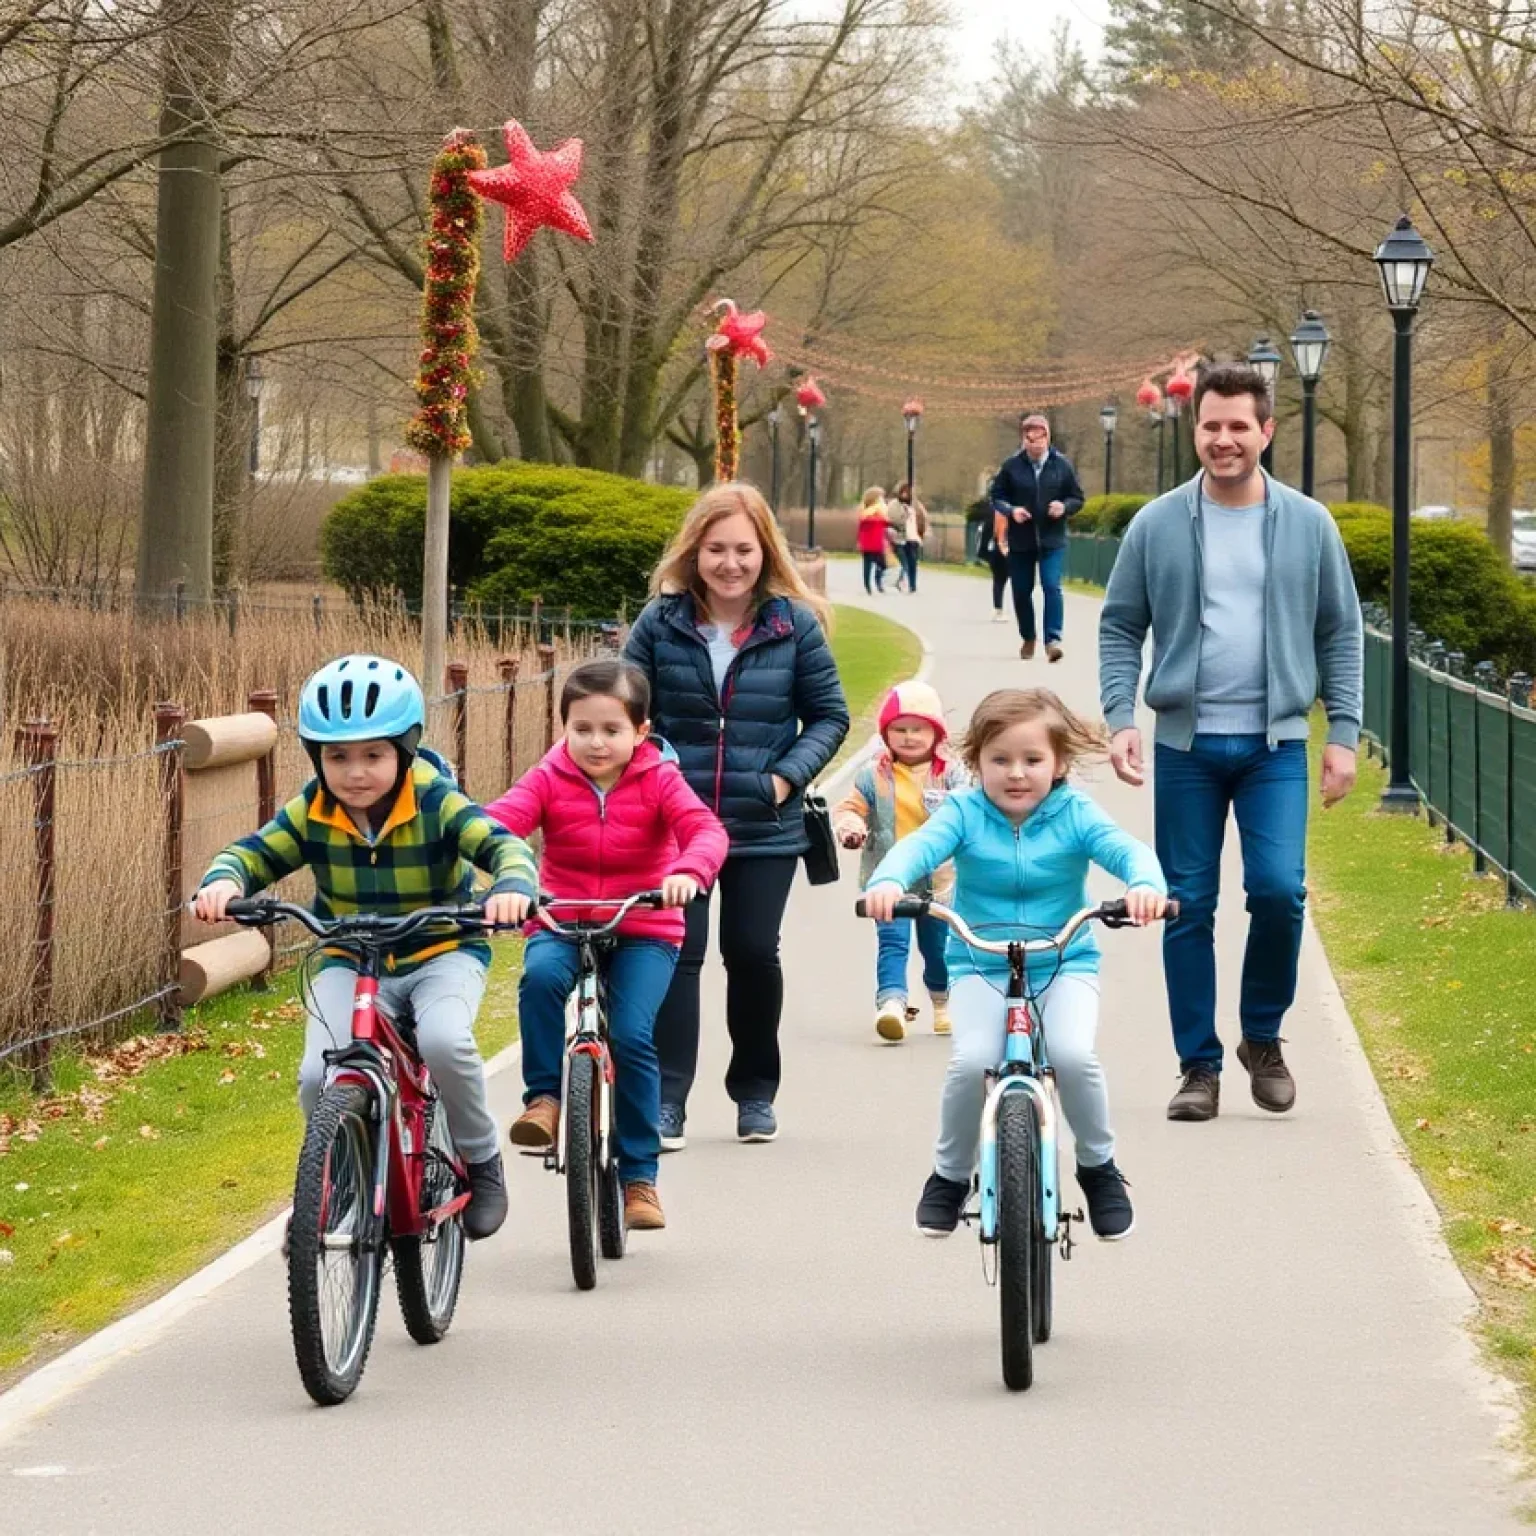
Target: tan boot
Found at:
x=642, y=1208
x=1053, y=651
x=533, y=1132
x=941, y=1020
x=891, y=1020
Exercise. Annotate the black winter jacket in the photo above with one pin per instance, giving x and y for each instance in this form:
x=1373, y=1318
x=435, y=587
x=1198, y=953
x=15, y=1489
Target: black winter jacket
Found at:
x=783, y=712
x=1015, y=486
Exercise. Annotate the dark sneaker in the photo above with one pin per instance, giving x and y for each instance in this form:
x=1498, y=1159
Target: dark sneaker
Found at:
x=1199, y=1096
x=1027, y=651
x=487, y=1207
x=756, y=1121
x=1109, y=1207
x=938, y=1212
x=670, y=1125
x=1053, y=650
x=1273, y=1086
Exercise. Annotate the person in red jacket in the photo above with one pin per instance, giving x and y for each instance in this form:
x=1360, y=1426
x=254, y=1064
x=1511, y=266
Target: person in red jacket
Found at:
x=618, y=818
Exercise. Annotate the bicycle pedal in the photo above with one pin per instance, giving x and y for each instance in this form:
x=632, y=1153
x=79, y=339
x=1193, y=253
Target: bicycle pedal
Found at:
x=552, y=1161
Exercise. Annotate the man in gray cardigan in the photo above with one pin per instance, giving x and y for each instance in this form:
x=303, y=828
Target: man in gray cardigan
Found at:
x=1247, y=591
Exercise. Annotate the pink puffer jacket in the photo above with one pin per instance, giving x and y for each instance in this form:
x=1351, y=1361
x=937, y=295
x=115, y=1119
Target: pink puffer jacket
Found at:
x=648, y=826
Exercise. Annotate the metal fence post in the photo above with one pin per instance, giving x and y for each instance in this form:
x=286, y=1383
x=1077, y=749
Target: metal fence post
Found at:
x=1519, y=691
x=169, y=719
x=264, y=701
x=547, y=668
x=179, y=600
x=37, y=745
x=458, y=697
x=506, y=669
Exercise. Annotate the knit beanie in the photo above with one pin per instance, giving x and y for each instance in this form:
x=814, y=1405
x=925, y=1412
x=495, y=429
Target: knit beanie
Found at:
x=917, y=700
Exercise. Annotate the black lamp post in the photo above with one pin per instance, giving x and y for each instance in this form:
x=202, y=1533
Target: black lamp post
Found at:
x=1108, y=416
x=813, y=432
x=255, y=382
x=1173, y=427
x=773, y=483
x=1404, y=260
x=1263, y=357
x=1309, y=347
x=912, y=414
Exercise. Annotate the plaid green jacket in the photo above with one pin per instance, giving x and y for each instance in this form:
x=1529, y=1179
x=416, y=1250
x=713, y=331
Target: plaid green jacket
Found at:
x=421, y=857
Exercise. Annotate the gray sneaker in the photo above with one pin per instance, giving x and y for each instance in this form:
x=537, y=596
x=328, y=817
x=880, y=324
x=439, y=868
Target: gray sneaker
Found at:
x=756, y=1121
x=1198, y=1098
x=671, y=1127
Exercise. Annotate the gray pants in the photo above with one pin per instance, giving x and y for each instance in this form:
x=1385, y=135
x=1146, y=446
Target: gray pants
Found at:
x=1070, y=1015
x=443, y=997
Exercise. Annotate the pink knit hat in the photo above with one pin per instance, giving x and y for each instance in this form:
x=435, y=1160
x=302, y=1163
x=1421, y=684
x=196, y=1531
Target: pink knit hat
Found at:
x=919, y=701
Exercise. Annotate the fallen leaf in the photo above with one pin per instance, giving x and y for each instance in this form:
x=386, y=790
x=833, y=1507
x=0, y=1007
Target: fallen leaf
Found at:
x=272, y=1076
x=229, y=1183
x=1515, y=1266
x=1453, y=1172
x=149, y=1133
x=6, y=1256
x=99, y=1143
x=6, y=1229
x=226, y=1077
x=1421, y=1125
x=1508, y=1226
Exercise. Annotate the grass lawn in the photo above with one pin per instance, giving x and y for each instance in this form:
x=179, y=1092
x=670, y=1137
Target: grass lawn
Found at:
x=1437, y=973
x=148, y=1163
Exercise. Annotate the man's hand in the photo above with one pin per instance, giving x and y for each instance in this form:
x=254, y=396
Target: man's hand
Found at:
x=782, y=789
x=880, y=900
x=1125, y=757
x=678, y=890
x=214, y=898
x=1057, y=509
x=1021, y=515
x=1338, y=774
x=508, y=909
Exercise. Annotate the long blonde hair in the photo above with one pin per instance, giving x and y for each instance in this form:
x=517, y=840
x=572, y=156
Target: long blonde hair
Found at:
x=679, y=567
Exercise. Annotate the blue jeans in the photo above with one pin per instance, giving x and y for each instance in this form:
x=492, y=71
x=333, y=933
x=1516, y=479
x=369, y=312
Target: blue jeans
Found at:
x=1268, y=791
x=1023, y=561
x=895, y=940
x=907, y=553
x=639, y=972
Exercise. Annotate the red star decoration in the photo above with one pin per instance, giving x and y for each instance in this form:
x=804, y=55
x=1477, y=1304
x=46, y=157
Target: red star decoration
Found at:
x=534, y=188
x=809, y=396
x=741, y=335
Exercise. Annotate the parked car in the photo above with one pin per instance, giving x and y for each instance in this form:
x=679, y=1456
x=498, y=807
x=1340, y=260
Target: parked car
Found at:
x=1522, y=542
x=1435, y=514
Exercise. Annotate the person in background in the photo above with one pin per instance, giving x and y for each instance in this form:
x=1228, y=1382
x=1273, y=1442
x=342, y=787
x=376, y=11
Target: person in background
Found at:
x=873, y=526
x=995, y=553
x=909, y=527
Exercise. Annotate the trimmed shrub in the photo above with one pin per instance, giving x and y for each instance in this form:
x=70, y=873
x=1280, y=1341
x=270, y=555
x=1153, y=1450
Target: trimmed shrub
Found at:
x=1354, y=511
x=1108, y=514
x=517, y=531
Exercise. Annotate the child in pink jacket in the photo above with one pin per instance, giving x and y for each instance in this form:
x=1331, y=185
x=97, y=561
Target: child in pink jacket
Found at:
x=617, y=818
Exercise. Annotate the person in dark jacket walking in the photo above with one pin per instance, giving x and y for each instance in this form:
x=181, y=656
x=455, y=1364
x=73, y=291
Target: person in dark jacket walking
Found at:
x=744, y=687
x=1033, y=495
x=996, y=557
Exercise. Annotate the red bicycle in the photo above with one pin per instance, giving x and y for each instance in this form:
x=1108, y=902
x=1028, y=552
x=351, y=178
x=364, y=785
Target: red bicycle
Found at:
x=378, y=1170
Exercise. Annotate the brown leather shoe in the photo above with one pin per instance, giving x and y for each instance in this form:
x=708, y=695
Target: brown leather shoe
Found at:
x=1027, y=651
x=642, y=1208
x=533, y=1132
x=1198, y=1098
x=1053, y=651
x=1273, y=1086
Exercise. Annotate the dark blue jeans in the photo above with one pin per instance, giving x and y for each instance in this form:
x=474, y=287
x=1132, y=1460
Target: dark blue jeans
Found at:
x=895, y=946
x=1023, y=561
x=639, y=973
x=1193, y=792
x=907, y=552
x=874, y=567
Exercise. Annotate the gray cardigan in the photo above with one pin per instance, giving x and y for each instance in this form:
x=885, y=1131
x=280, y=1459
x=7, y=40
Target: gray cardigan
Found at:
x=1312, y=628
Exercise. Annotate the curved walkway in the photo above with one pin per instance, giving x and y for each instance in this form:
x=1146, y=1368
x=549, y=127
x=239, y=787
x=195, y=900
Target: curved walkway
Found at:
x=1279, y=1348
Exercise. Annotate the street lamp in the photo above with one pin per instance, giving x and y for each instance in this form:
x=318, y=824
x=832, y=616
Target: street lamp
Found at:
x=1265, y=360
x=1150, y=398
x=773, y=484
x=1309, y=347
x=912, y=414
x=1404, y=260
x=810, y=400
x=1108, y=416
x=255, y=382
x=1181, y=389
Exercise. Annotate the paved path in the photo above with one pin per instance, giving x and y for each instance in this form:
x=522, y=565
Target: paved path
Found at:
x=1279, y=1348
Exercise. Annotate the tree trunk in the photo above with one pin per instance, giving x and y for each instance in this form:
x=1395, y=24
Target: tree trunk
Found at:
x=375, y=442
x=176, y=519
x=231, y=474
x=1501, y=406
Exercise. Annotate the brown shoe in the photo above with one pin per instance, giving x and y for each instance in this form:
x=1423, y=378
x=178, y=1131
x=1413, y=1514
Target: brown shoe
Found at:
x=1273, y=1086
x=1198, y=1098
x=1027, y=651
x=533, y=1132
x=642, y=1208
x=1053, y=650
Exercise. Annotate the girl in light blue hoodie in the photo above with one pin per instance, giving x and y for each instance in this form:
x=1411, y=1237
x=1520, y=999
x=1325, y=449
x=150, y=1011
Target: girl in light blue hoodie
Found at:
x=1021, y=845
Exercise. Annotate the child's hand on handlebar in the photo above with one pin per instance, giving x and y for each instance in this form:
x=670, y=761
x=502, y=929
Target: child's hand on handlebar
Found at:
x=508, y=909
x=678, y=890
x=1144, y=905
x=213, y=899
x=880, y=901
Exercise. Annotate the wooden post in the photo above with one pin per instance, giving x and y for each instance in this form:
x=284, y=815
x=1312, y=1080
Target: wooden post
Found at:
x=458, y=685
x=434, y=571
x=547, y=668
x=37, y=744
x=538, y=620
x=264, y=700
x=169, y=719
x=506, y=667
x=317, y=607
x=180, y=600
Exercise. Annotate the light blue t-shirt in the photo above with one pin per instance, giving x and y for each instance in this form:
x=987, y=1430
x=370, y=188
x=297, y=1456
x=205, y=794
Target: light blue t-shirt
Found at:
x=722, y=652
x=1231, y=687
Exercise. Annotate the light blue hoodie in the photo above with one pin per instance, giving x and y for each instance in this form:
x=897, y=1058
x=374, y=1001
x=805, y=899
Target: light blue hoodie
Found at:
x=1032, y=876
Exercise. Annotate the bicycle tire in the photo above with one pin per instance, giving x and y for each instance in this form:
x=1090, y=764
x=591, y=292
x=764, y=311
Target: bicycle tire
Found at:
x=1017, y=1202
x=581, y=1172
x=613, y=1234
x=335, y=1179
x=429, y=1269
x=1043, y=1254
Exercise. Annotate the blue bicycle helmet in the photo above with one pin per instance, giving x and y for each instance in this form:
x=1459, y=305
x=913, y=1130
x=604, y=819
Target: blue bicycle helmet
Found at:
x=362, y=698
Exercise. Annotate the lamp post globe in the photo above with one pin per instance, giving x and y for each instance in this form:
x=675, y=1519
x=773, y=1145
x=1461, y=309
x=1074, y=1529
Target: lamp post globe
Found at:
x=1310, y=342
x=1263, y=357
x=1108, y=417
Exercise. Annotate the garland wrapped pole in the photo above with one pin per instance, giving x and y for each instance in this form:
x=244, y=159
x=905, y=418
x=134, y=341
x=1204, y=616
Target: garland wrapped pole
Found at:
x=736, y=336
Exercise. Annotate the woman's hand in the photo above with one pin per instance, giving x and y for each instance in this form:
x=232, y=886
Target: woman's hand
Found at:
x=678, y=890
x=782, y=788
x=1144, y=904
x=508, y=909
x=214, y=899
x=880, y=901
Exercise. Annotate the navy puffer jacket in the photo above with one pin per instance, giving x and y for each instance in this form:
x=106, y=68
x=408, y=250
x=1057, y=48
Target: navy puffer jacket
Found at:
x=783, y=712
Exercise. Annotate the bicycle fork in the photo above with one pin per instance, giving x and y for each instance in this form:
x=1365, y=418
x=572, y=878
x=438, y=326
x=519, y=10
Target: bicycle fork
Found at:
x=1045, y=1110
x=583, y=1039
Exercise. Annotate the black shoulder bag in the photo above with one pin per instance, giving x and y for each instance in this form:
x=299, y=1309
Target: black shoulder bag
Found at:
x=821, y=856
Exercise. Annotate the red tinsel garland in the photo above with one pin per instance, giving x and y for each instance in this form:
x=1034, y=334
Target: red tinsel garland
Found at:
x=440, y=427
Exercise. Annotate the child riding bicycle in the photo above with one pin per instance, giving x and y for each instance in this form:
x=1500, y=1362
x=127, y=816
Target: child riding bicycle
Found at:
x=902, y=785
x=1021, y=844
x=618, y=818
x=386, y=831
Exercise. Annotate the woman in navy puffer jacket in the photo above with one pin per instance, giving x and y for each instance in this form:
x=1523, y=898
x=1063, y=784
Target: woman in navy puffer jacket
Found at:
x=744, y=687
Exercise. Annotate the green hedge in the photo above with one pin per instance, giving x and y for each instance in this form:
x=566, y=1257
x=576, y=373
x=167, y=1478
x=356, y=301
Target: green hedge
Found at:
x=570, y=536
x=1460, y=590
x=1108, y=514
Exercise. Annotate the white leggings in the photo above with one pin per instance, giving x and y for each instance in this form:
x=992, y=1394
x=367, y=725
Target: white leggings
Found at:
x=1070, y=1015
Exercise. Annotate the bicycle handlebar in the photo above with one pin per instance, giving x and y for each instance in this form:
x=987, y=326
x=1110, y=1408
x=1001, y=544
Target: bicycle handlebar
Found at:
x=259, y=911
x=1113, y=914
x=622, y=907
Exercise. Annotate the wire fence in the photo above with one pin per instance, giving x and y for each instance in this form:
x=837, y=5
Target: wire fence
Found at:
x=99, y=855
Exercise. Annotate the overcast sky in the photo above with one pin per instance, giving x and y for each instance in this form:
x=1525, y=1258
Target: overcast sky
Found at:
x=982, y=24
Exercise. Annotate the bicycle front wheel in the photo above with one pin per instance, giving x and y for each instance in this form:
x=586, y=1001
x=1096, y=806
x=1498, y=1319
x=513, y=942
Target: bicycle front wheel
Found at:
x=333, y=1263
x=1018, y=1200
x=429, y=1268
x=581, y=1171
